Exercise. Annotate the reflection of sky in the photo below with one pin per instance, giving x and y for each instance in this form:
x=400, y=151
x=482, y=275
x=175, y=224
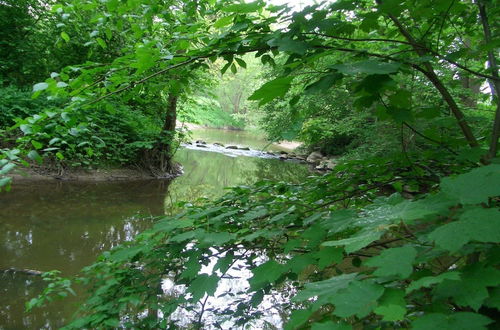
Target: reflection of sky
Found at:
x=230, y=290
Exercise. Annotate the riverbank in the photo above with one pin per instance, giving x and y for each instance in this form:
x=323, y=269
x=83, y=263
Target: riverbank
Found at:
x=37, y=173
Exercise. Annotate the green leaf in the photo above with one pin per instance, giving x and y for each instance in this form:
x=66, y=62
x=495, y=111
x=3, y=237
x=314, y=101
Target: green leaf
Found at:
x=224, y=21
x=455, y=321
x=225, y=67
x=5, y=182
x=428, y=112
x=367, y=67
x=266, y=273
x=36, y=144
x=243, y=7
x=475, y=186
x=401, y=99
x=478, y=224
x=240, y=62
x=471, y=154
x=494, y=299
x=392, y=305
x=297, y=318
x=255, y=213
x=300, y=262
x=188, y=235
x=6, y=168
x=33, y=155
x=432, y=205
x=40, y=87
x=359, y=298
x=428, y=281
x=394, y=262
x=291, y=245
x=203, y=284
x=101, y=43
x=126, y=253
x=26, y=129
x=271, y=90
x=224, y=263
x=357, y=241
x=471, y=290
x=330, y=325
x=324, y=290
x=207, y=212
x=65, y=36
x=168, y=225
x=192, y=266
x=328, y=256
x=289, y=45
x=216, y=239
x=340, y=220
x=314, y=235
x=323, y=84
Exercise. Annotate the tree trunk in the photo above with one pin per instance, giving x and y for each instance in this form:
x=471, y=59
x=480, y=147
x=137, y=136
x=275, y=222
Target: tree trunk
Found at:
x=494, y=83
x=471, y=85
x=159, y=159
x=474, y=88
x=168, y=133
x=438, y=84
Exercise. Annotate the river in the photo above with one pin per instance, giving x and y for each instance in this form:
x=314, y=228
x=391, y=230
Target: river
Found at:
x=66, y=225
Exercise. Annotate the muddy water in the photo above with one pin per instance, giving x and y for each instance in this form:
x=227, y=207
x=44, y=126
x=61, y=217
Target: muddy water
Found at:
x=66, y=225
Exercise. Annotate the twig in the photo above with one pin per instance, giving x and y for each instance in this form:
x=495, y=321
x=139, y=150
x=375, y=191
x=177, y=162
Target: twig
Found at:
x=442, y=24
x=200, y=317
x=143, y=80
x=430, y=139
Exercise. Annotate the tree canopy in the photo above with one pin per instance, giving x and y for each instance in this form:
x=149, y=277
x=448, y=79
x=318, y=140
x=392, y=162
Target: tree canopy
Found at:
x=403, y=238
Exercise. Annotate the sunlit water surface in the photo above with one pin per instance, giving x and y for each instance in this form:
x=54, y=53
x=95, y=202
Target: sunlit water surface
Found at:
x=66, y=225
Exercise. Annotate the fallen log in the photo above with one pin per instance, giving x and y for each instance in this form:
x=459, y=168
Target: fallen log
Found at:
x=22, y=271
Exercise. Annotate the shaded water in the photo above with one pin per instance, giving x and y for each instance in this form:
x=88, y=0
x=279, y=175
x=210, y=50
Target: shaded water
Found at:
x=66, y=225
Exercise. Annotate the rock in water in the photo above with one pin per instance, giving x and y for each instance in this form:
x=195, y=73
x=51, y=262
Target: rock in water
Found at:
x=328, y=164
x=315, y=157
x=231, y=147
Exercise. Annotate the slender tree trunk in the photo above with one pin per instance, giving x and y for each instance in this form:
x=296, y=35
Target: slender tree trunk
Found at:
x=470, y=84
x=434, y=79
x=171, y=115
x=168, y=132
x=473, y=86
x=494, y=83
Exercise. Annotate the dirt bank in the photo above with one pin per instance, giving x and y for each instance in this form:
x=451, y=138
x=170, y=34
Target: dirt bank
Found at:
x=112, y=174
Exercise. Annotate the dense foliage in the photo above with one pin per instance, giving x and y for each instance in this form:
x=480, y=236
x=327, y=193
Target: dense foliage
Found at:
x=206, y=111
x=368, y=260
x=408, y=240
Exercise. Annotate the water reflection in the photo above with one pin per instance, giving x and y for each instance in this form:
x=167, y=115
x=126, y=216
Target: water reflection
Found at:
x=222, y=310
x=208, y=173
x=60, y=225
x=66, y=225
